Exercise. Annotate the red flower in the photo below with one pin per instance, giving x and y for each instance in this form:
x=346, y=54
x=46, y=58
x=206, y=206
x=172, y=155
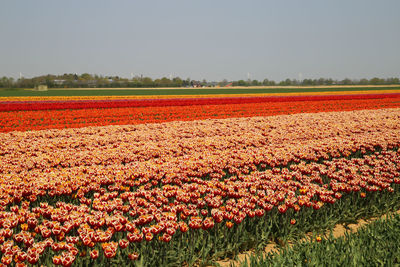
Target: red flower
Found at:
x=18, y=237
x=318, y=205
x=123, y=243
x=110, y=249
x=166, y=237
x=204, y=212
x=259, y=212
x=149, y=236
x=57, y=260
x=229, y=224
x=33, y=258
x=183, y=227
x=208, y=223
x=133, y=237
x=296, y=208
x=338, y=195
x=251, y=213
x=67, y=260
x=110, y=253
x=282, y=208
x=170, y=231
x=22, y=256
x=133, y=256
x=6, y=259
x=94, y=254
x=238, y=219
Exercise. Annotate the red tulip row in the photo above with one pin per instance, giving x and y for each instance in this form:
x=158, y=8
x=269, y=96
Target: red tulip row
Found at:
x=118, y=103
x=55, y=119
x=97, y=192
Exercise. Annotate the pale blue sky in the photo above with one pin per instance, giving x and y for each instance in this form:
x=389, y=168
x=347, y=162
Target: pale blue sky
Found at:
x=211, y=39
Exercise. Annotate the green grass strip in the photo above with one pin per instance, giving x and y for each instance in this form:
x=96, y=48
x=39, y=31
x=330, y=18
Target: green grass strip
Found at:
x=183, y=91
x=375, y=244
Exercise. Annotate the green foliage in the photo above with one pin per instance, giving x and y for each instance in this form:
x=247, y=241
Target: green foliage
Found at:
x=6, y=82
x=373, y=245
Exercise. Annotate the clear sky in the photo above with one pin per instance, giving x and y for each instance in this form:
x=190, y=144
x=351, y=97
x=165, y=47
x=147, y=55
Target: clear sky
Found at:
x=210, y=39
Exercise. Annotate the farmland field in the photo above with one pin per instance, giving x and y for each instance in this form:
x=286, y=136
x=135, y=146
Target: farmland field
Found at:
x=186, y=91
x=177, y=178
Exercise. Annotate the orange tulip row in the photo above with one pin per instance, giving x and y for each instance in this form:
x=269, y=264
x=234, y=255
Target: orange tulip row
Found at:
x=64, y=190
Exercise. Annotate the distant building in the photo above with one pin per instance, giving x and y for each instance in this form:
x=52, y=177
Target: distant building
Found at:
x=59, y=82
x=41, y=87
x=195, y=83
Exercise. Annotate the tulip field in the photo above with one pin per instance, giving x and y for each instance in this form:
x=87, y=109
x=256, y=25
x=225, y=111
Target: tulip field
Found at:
x=183, y=181
x=58, y=112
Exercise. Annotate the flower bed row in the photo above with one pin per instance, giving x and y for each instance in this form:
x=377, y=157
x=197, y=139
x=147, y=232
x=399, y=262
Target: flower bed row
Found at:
x=119, y=193
x=123, y=103
x=55, y=119
x=223, y=94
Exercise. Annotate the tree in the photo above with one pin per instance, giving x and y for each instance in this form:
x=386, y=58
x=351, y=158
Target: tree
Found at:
x=321, y=81
x=147, y=82
x=376, y=81
x=286, y=82
x=392, y=81
x=242, y=83
x=49, y=81
x=186, y=83
x=307, y=82
x=24, y=83
x=6, y=82
x=86, y=77
x=347, y=81
x=177, y=82
x=267, y=82
x=165, y=82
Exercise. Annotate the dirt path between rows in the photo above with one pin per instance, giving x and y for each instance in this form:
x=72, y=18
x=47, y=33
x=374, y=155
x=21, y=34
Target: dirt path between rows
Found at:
x=338, y=231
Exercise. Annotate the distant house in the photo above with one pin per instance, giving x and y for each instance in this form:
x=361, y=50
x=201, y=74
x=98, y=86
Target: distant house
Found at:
x=195, y=83
x=92, y=83
x=40, y=87
x=59, y=82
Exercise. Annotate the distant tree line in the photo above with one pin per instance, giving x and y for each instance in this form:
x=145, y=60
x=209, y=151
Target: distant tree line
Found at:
x=86, y=80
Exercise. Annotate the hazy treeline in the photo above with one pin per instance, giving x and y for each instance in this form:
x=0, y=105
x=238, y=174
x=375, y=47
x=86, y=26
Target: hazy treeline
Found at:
x=91, y=81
